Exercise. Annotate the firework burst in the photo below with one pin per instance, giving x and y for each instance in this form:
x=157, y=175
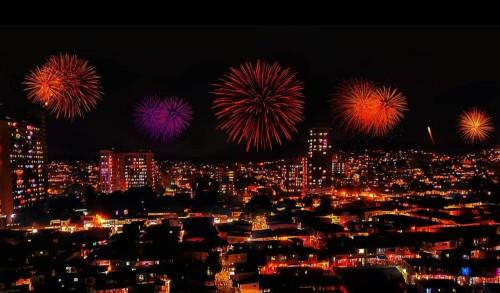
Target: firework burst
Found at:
x=390, y=105
x=66, y=85
x=163, y=119
x=258, y=104
x=355, y=104
x=44, y=84
x=367, y=108
x=475, y=125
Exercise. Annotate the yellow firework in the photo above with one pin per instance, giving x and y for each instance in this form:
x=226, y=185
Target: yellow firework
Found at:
x=475, y=125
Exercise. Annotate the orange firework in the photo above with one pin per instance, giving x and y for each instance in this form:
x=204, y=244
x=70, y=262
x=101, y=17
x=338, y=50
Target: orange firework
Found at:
x=44, y=84
x=66, y=85
x=355, y=103
x=475, y=125
x=369, y=109
x=389, y=108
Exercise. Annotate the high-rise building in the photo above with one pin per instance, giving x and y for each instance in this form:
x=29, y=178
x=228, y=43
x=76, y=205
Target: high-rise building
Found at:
x=227, y=185
x=121, y=171
x=292, y=175
x=23, y=175
x=338, y=166
x=319, y=160
x=225, y=177
x=93, y=174
x=219, y=173
x=60, y=178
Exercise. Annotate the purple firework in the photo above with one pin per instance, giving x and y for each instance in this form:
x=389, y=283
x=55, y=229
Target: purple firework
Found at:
x=163, y=119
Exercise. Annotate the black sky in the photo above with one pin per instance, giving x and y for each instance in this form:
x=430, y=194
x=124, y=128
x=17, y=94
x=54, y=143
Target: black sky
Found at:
x=442, y=71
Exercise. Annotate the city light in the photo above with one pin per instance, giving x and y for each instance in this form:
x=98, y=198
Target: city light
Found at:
x=256, y=181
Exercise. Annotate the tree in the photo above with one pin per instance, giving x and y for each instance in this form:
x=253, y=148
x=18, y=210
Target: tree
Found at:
x=259, y=204
x=325, y=204
x=288, y=204
x=308, y=201
x=206, y=194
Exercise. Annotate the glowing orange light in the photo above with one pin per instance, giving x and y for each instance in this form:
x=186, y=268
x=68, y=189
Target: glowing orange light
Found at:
x=430, y=134
x=368, y=108
x=475, y=125
x=100, y=219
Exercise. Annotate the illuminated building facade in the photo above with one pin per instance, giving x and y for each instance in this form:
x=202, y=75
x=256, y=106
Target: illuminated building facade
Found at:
x=92, y=173
x=292, y=175
x=66, y=177
x=225, y=177
x=109, y=179
x=121, y=171
x=59, y=178
x=319, y=160
x=22, y=166
x=338, y=166
x=219, y=173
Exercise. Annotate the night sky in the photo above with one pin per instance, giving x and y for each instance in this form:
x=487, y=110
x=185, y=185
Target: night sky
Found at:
x=441, y=70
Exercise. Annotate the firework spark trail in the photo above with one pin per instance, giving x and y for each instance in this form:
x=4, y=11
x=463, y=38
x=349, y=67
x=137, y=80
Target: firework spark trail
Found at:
x=430, y=134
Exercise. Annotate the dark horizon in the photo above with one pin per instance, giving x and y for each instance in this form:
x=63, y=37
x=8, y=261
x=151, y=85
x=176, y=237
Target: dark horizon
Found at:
x=442, y=71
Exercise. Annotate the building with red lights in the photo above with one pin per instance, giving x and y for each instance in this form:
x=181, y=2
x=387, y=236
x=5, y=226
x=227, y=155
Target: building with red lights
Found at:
x=293, y=176
x=22, y=166
x=319, y=160
x=121, y=171
x=59, y=178
x=225, y=177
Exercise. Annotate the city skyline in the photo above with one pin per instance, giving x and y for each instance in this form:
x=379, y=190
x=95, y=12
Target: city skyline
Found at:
x=437, y=91
x=249, y=159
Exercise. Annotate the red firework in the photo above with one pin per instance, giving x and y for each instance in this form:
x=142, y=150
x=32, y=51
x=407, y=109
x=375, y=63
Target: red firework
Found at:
x=44, y=84
x=369, y=109
x=66, y=85
x=258, y=104
x=390, y=105
x=355, y=104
